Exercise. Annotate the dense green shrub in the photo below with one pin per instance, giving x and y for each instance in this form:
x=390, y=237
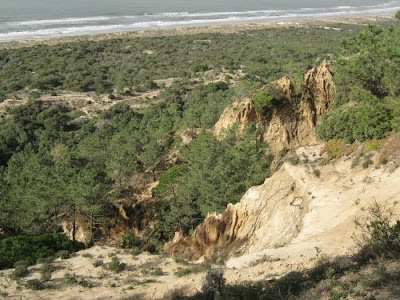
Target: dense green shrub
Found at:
x=168, y=181
x=367, y=120
x=366, y=78
x=20, y=270
x=268, y=98
x=129, y=240
x=217, y=172
x=34, y=284
x=109, y=64
x=115, y=265
x=31, y=248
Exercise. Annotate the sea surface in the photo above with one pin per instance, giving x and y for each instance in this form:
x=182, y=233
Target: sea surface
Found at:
x=26, y=19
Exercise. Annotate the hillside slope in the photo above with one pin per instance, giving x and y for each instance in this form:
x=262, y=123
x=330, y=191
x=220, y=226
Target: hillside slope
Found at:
x=299, y=209
x=283, y=225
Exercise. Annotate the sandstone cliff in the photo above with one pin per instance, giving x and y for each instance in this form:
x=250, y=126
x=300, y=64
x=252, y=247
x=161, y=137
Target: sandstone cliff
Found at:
x=240, y=112
x=292, y=124
x=294, y=212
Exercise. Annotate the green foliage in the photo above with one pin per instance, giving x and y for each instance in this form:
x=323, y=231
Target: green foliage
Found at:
x=335, y=148
x=191, y=269
x=157, y=272
x=129, y=240
x=294, y=159
x=268, y=98
x=20, y=271
x=31, y=248
x=317, y=173
x=169, y=181
x=34, y=284
x=380, y=237
x=366, y=75
x=371, y=145
x=356, y=161
x=63, y=254
x=46, y=272
x=367, y=162
x=216, y=173
x=384, y=237
x=70, y=279
x=367, y=120
x=374, y=57
x=115, y=265
x=98, y=263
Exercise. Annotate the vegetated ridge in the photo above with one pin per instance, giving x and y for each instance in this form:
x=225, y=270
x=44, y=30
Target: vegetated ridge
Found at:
x=198, y=150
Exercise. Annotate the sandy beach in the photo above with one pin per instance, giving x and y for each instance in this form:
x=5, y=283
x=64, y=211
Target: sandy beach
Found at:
x=224, y=29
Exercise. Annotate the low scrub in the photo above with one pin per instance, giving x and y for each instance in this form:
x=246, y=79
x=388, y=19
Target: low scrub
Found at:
x=190, y=269
x=32, y=248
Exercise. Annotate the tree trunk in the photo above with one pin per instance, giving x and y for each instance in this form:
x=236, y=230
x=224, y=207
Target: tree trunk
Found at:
x=91, y=228
x=74, y=225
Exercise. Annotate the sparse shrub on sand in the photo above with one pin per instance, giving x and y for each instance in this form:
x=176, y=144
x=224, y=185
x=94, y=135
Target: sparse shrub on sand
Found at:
x=35, y=284
x=115, y=265
x=70, y=279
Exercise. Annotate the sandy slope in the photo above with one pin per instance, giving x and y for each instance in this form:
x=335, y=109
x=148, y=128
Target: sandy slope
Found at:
x=336, y=198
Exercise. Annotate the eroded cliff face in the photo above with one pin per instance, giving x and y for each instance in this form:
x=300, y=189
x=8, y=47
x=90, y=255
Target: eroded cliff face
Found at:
x=268, y=215
x=287, y=126
x=241, y=112
x=291, y=124
x=134, y=212
x=272, y=215
x=295, y=212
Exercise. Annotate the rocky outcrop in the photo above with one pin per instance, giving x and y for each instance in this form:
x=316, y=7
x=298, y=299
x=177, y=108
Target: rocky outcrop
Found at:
x=295, y=212
x=240, y=112
x=134, y=212
x=291, y=124
x=268, y=215
x=286, y=85
x=318, y=92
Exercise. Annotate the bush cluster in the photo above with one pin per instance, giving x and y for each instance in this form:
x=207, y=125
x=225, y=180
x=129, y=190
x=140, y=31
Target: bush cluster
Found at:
x=31, y=248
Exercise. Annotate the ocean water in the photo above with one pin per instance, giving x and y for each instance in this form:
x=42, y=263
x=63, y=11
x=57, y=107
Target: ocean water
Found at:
x=26, y=19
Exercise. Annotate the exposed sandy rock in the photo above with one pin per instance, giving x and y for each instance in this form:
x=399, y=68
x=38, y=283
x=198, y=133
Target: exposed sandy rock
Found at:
x=241, y=112
x=286, y=85
x=318, y=92
x=280, y=226
x=291, y=124
x=293, y=212
x=88, y=103
x=268, y=215
x=134, y=212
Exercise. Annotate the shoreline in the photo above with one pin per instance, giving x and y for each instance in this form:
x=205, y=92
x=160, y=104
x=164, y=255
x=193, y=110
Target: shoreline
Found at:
x=227, y=28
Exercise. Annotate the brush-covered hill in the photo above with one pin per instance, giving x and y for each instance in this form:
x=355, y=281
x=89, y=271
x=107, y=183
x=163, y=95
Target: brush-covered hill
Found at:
x=263, y=163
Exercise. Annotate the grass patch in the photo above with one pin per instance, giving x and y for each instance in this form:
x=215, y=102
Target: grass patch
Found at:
x=115, y=265
x=191, y=269
x=34, y=284
x=70, y=279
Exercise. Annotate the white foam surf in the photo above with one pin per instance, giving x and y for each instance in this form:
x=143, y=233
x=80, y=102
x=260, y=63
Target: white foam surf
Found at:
x=105, y=24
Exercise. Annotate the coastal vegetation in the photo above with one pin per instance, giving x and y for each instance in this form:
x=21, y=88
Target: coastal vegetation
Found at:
x=368, y=93
x=132, y=64
x=56, y=166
